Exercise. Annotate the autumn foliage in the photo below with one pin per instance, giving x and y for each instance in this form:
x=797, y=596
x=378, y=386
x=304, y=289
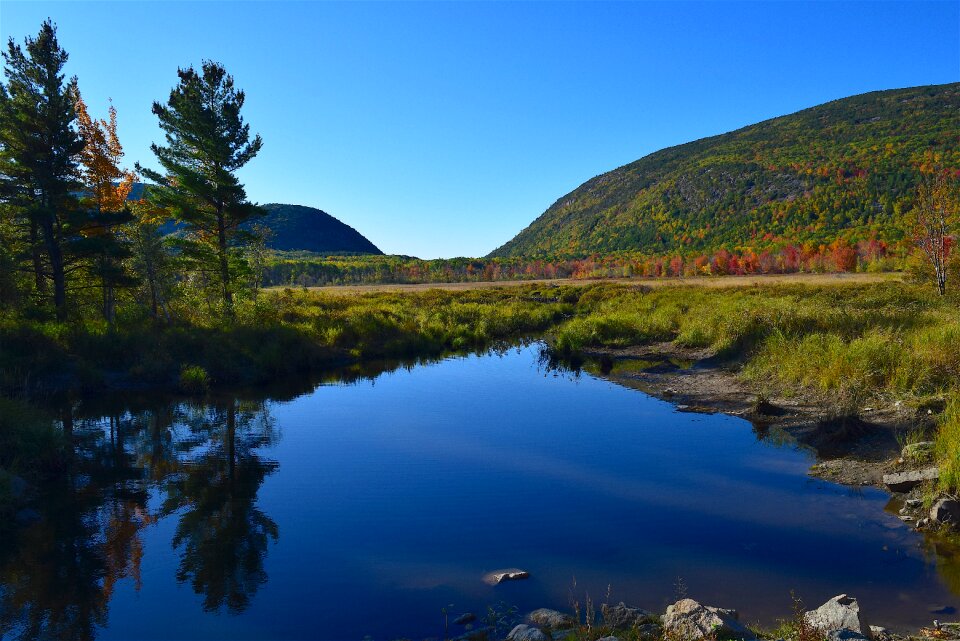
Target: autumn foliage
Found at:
x=108, y=184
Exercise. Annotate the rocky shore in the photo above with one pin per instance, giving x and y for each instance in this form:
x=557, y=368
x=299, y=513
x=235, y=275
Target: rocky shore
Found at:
x=839, y=619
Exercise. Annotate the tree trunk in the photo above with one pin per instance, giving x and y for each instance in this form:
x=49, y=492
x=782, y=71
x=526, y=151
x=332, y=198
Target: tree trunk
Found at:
x=109, y=298
x=39, y=282
x=55, y=254
x=224, y=265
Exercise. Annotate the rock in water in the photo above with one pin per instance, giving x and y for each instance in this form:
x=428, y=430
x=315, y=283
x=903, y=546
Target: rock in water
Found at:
x=524, y=632
x=510, y=574
x=906, y=481
x=465, y=618
x=946, y=511
x=550, y=618
x=688, y=620
x=622, y=616
x=839, y=614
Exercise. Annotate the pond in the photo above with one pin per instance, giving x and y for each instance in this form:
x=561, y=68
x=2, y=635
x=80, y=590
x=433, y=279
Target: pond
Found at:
x=364, y=506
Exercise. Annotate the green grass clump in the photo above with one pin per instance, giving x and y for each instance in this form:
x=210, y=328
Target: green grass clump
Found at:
x=194, y=380
x=947, y=446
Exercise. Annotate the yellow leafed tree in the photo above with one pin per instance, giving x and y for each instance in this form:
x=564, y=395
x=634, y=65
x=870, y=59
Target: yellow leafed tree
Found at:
x=109, y=185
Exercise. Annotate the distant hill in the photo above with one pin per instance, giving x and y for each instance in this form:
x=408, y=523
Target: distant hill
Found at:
x=299, y=228
x=842, y=169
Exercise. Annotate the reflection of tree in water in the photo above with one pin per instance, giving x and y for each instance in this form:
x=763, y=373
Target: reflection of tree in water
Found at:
x=945, y=549
x=84, y=532
x=58, y=572
x=223, y=534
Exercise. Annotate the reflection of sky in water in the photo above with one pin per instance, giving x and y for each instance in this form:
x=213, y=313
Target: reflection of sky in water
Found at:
x=393, y=498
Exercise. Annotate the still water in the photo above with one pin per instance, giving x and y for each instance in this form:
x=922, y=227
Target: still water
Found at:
x=365, y=507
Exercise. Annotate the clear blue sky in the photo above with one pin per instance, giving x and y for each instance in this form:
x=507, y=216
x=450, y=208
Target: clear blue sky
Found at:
x=442, y=129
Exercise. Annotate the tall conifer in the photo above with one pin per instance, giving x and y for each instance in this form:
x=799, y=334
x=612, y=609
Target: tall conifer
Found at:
x=39, y=150
x=207, y=141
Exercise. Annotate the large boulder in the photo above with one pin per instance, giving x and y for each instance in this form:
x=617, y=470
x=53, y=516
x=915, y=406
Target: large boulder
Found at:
x=906, y=481
x=623, y=616
x=838, y=618
x=687, y=620
x=524, y=632
x=550, y=618
x=946, y=511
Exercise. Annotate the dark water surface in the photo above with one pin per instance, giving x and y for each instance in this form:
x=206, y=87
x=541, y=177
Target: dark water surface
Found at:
x=365, y=508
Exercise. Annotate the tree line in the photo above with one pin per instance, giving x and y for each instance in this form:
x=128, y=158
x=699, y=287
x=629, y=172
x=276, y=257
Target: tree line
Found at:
x=71, y=237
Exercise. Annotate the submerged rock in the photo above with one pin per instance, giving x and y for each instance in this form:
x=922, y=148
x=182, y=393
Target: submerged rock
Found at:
x=687, y=620
x=477, y=634
x=550, y=618
x=510, y=574
x=622, y=616
x=946, y=511
x=838, y=617
x=465, y=618
x=906, y=481
x=524, y=632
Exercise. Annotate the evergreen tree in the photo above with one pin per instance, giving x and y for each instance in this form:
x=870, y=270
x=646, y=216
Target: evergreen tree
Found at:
x=39, y=150
x=207, y=141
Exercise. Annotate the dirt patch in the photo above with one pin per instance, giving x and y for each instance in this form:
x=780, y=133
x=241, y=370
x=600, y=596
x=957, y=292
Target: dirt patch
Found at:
x=849, y=450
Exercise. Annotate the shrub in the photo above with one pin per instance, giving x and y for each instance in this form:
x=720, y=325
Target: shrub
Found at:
x=194, y=380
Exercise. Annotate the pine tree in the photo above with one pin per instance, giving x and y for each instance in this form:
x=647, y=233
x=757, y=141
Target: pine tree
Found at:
x=207, y=141
x=38, y=157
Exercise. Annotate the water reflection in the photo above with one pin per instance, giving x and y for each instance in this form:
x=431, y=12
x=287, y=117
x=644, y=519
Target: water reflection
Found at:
x=136, y=459
x=221, y=535
x=415, y=499
x=83, y=533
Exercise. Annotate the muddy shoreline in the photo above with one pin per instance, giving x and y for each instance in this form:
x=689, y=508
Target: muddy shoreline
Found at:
x=850, y=451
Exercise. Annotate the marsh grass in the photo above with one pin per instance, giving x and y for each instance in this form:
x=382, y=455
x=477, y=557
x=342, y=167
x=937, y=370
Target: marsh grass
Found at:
x=947, y=446
x=851, y=342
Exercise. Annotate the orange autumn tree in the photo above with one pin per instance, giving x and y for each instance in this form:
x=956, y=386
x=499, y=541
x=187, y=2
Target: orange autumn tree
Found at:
x=107, y=187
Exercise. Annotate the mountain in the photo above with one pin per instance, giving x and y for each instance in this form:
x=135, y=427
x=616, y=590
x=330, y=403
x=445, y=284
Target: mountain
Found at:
x=844, y=169
x=299, y=228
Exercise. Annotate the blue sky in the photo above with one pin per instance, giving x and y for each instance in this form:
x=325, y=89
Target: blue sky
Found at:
x=442, y=129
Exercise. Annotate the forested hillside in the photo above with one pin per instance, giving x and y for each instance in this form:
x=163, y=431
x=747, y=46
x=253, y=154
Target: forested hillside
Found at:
x=845, y=169
x=299, y=228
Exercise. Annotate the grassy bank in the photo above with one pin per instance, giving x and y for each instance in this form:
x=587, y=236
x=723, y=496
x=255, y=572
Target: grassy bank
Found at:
x=284, y=333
